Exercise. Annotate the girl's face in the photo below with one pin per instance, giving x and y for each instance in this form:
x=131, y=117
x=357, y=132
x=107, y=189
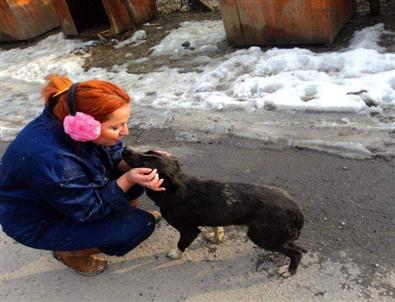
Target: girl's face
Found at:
x=115, y=128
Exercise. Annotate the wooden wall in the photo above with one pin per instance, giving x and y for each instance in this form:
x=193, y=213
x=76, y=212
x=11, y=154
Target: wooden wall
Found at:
x=284, y=22
x=25, y=19
x=119, y=14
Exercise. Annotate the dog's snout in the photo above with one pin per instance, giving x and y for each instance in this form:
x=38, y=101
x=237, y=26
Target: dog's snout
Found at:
x=129, y=151
x=125, y=152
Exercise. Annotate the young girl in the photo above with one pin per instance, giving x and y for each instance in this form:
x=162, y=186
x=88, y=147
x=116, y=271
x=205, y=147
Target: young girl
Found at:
x=63, y=185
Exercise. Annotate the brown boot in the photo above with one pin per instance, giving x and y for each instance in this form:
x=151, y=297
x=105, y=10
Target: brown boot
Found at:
x=87, y=265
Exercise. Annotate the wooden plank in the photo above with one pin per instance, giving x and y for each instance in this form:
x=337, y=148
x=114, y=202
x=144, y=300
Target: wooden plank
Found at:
x=124, y=14
x=145, y=10
x=77, y=16
x=9, y=29
x=275, y=21
x=64, y=15
x=284, y=22
x=293, y=21
x=231, y=19
x=256, y=21
x=319, y=22
x=339, y=12
x=21, y=19
x=117, y=15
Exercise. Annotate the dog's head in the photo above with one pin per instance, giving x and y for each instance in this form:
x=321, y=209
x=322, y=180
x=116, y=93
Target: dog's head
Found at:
x=167, y=166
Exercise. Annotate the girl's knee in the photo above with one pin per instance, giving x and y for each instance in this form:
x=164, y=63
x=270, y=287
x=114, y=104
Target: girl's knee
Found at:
x=139, y=224
x=132, y=234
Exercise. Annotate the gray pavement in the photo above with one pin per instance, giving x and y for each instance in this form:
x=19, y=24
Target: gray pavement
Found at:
x=349, y=206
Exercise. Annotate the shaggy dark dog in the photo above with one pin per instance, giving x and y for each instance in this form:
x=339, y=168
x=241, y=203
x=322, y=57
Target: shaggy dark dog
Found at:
x=273, y=218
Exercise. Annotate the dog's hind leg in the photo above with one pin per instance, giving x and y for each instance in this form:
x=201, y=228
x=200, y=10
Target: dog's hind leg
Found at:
x=301, y=249
x=265, y=241
x=187, y=236
x=293, y=253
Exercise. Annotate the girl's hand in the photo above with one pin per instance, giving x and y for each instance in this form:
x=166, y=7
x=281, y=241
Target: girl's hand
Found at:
x=146, y=177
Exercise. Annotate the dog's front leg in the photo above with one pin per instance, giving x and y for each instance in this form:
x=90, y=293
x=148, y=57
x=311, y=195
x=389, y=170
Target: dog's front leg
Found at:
x=187, y=236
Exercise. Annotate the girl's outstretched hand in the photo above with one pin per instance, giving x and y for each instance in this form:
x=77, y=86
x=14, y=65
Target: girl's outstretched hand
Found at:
x=146, y=177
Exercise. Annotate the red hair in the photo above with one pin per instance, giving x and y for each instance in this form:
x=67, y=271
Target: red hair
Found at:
x=94, y=97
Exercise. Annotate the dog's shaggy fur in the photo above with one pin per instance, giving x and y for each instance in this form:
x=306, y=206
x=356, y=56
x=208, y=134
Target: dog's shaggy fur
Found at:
x=273, y=218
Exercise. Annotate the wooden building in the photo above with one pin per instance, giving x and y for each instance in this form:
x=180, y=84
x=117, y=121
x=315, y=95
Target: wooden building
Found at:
x=77, y=16
x=284, y=22
x=25, y=19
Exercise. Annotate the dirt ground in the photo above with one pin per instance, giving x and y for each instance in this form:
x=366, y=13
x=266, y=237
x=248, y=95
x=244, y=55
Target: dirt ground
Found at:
x=349, y=218
x=105, y=55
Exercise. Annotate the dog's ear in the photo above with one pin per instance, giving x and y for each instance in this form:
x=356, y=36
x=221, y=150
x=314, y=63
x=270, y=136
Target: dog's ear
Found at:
x=172, y=182
x=169, y=169
x=173, y=174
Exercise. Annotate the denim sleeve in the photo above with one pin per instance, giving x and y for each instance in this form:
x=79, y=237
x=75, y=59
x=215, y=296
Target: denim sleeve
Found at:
x=82, y=201
x=80, y=196
x=135, y=192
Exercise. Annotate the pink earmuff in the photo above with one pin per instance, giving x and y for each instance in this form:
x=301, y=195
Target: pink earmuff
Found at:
x=79, y=126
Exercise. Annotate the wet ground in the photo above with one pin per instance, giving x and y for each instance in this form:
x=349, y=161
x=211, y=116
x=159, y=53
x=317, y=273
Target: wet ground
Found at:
x=349, y=232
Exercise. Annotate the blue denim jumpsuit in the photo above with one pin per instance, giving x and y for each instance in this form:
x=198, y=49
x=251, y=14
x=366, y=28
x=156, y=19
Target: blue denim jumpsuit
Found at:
x=61, y=195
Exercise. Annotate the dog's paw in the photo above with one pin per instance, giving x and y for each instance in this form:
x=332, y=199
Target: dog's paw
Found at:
x=283, y=271
x=217, y=236
x=175, y=254
x=210, y=237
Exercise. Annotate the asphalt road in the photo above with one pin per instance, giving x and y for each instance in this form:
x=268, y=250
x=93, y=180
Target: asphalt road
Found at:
x=349, y=208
